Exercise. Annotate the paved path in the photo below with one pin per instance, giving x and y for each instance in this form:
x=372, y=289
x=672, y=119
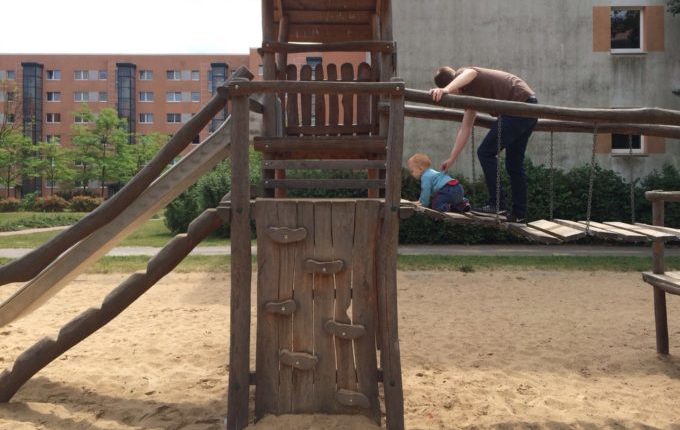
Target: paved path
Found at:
x=32, y=230
x=452, y=250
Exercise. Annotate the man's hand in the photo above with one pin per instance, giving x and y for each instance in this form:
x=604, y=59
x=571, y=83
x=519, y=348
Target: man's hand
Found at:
x=445, y=165
x=437, y=93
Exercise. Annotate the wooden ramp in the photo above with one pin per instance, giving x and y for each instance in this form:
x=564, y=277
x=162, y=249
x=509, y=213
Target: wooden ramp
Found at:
x=556, y=231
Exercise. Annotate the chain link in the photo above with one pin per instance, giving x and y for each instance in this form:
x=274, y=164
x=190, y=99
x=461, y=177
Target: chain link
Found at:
x=591, y=181
x=498, y=172
x=552, y=175
x=472, y=158
x=630, y=178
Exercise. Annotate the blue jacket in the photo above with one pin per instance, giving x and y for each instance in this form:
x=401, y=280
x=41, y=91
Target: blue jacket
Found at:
x=430, y=182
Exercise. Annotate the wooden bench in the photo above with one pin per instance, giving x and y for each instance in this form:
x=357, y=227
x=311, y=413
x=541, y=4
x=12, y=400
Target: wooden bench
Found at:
x=662, y=281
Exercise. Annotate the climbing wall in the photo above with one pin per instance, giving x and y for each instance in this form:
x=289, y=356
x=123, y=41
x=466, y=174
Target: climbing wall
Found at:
x=316, y=299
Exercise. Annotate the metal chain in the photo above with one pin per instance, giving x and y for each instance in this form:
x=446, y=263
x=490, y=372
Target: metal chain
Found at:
x=630, y=178
x=472, y=157
x=552, y=175
x=498, y=172
x=591, y=181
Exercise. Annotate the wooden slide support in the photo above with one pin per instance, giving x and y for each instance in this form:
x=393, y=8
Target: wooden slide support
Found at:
x=74, y=261
x=31, y=264
x=47, y=350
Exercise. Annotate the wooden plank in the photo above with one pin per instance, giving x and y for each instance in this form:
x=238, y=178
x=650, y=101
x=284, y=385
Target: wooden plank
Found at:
x=343, y=216
x=333, y=103
x=352, y=46
x=531, y=233
x=666, y=283
x=330, y=129
x=364, y=144
x=287, y=211
x=563, y=232
x=453, y=217
x=303, y=322
x=319, y=100
x=329, y=33
x=364, y=100
x=239, y=345
x=620, y=233
x=311, y=87
x=292, y=114
x=306, y=98
x=328, y=5
x=326, y=184
x=673, y=231
x=364, y=300
x=666, y=196
x=324, y=164
x=651, y=233
x=347, y=75
x=324, y=373
x=602, y=233
x=267, y=343
x=329, y=17
x=675, y=275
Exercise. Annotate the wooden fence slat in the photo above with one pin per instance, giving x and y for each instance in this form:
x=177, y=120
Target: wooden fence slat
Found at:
x=292, y=113
x=324, y=373
x=319, y=100
x=324, y=164
x=329, y=129
x=347, y=75
x=303, y=321
x=267, y=354
x=348, y=184
x=343, y=234
x=333, y=112
x=364, y=299
x=306, y=98
x=287, y=212
x=364, y=100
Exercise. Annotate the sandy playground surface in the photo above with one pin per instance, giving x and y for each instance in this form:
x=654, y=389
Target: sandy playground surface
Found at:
x=491, y=349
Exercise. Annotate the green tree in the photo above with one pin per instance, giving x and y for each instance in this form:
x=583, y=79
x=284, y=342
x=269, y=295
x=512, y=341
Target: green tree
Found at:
x=55, y=163
x=146, y=147
x=674, y=6
x=14, y=146
x=101, y=148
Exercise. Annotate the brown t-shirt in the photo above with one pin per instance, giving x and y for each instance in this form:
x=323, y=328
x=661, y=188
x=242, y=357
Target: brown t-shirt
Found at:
x=496, y=84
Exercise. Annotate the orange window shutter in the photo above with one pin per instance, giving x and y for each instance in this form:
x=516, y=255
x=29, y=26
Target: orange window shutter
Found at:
x=602, y=23
x=654, y=28
x=655, y=145
x=603, y=144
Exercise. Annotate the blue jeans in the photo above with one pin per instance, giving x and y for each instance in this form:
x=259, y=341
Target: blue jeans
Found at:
x=451, y=198
x=515, y=133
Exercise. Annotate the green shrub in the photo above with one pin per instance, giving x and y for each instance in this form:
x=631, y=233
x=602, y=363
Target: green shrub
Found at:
x=84, y=203
x=51, y=204
x=9, y=205
x=28, y=202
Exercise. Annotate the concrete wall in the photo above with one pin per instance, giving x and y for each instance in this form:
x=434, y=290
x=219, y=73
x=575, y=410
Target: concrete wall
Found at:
x=549, y=43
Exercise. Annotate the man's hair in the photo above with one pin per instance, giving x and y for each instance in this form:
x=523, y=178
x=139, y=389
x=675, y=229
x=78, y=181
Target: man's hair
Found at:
x=444, y=76
x=421, y=160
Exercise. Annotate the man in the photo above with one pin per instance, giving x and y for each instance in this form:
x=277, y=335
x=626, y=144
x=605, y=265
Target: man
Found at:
x=515, y=131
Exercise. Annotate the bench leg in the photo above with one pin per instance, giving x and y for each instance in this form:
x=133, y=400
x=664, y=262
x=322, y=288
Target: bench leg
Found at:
x=661, y=321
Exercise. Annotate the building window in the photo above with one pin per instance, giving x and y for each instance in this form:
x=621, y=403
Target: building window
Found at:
x=53, y=138
x=53, y=96
x=11, y=95
x=195, y=75
x=173, y=75
x=81, y=75
x=146, y=96
x=621, y=144
x=146, y=118
x=195, y=96
x=626, y=30
x=53, y=118
x=11, y=75
x=103, y=96
x=54, y=75
x=145, y=75
x=260, y=70
x=174, y=118
x=10, y=118
x=103, y=75
x=173, y=96
x=81, y=96
x=80, y=119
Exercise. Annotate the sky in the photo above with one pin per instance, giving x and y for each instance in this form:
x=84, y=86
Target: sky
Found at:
x=130, y=26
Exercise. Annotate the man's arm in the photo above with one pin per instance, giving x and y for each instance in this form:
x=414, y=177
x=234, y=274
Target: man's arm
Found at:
x=467, y=76
x=462, y=138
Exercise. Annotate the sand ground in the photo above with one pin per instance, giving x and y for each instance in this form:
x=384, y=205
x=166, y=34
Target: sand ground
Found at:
x=490, y=349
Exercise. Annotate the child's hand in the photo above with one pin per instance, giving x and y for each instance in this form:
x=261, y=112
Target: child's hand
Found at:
x=417, y=203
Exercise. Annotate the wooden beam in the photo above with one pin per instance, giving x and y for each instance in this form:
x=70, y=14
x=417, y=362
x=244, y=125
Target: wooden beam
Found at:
x=628, y=115
x=311, y=87
x=324, y=164
x=353, y=46
x=326, y=184
x=329, y=16
x=326, y=5
x=328, y=32
x=666, y=196
x=366, y=144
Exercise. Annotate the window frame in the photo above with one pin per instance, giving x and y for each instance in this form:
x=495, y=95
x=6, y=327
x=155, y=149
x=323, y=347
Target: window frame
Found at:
x=641, y=49
x=176, y=75
x=86, y=99
x=104, y=73
x=145, y=116
x=11, y=75
x=54, y=75
x=195, y=75
x=176, y=97
x=104, y=99
x=146, y=75
x=84, y=75
x=627, y=151
x=175, y=115
x=56, y=99
x=56, y=118
x=143, y=99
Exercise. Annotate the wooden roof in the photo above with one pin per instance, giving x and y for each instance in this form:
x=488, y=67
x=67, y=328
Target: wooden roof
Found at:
x=327, y=20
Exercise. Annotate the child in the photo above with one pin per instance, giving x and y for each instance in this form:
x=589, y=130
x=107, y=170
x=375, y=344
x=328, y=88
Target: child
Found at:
x=437, y=190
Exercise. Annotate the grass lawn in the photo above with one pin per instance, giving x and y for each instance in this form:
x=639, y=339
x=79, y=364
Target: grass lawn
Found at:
x=12, y=221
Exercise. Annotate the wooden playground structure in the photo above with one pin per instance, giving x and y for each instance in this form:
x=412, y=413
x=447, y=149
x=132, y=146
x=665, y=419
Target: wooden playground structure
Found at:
x=327, y=323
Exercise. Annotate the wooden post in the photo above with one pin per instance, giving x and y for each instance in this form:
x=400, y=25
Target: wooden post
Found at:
x=660, y=314
x=239, y=354
x=281, y=67
x=387, y=269
x=269, y=72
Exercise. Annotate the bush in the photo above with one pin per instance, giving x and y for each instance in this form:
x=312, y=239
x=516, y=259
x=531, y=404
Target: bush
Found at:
x=50, y=204
x=84, y=203
x=9, y=205
x=28, y=202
